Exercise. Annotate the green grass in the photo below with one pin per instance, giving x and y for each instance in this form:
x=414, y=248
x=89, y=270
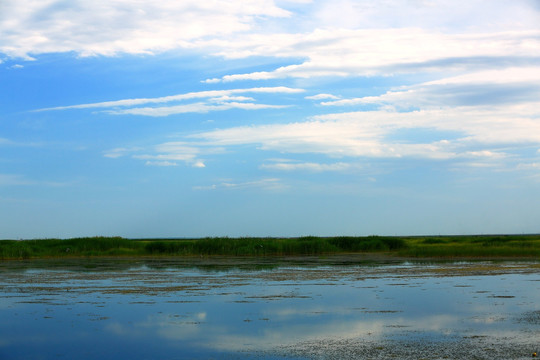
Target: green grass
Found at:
x=309, y=245
x=95, y=246
x=480, y=246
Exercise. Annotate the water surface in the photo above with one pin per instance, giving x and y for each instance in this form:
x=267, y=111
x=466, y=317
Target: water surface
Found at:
x=270, y=309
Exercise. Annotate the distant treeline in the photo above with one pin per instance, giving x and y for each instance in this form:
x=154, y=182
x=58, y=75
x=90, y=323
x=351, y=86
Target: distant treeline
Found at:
x=481, y=246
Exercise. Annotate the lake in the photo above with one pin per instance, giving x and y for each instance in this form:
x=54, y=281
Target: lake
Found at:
x=338, y=307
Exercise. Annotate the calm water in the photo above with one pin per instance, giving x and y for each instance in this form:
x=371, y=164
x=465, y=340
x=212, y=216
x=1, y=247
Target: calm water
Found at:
x=170, y=310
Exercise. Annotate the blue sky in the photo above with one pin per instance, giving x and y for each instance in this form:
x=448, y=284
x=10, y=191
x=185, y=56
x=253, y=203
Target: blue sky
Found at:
x=269, y=118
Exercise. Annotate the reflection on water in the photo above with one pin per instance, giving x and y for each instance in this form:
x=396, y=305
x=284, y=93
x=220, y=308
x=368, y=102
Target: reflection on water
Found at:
x=230, y=309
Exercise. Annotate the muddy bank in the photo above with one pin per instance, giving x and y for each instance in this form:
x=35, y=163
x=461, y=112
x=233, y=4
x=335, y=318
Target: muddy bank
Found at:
x=452, y=266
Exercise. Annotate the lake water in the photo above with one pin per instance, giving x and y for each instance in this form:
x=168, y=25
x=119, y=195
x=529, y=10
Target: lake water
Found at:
x=332, y=308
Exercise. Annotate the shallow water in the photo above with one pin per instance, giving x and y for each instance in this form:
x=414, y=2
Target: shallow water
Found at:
x=288, y=309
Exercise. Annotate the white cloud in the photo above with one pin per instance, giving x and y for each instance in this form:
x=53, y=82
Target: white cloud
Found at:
x=227, y=98
x=482, y=62
x=507, y=75
x=107, y=28
x=211, y=81
x=529, y=166
x=161, y=163
x=322, y=97
x=21, y=180
x=310, y=166
x=178, y=156
x=178, y=97
x=366, y=52
x=336, y=38
x=119, y=152
x=167, y=154
x=8, y=142
x=487, y=133
x=103, y=27
x=191, y=108
x=265, y=184
x=490, y=114
x=512, y=85
x=432, y=14
x=214, y=100
x=343, y=137
x=484, y=154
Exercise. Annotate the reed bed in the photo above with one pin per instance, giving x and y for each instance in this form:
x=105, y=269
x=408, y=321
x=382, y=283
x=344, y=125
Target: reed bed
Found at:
x=478, y=246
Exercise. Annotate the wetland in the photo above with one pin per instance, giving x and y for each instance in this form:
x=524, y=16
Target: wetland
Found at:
x=326, y=307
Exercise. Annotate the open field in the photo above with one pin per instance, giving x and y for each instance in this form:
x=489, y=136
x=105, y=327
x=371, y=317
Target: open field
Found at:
x=474, y=246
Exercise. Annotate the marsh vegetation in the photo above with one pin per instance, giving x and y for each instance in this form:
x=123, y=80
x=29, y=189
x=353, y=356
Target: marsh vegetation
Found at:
x=478, y=246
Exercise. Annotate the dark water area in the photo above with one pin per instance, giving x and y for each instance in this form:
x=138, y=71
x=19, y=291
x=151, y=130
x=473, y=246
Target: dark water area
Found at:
x=311, y=308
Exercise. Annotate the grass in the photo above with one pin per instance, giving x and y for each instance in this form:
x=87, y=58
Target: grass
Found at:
x=479, y=246
x=96, y=246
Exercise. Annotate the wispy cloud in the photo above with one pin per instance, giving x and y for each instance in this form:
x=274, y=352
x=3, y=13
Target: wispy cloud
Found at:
x=9, y=142
x=367, y=52
x=492, y=87
x=265, y=184
x=213, y=100
x=168, y=154
x=21, y=180
x=535, y=166
x=215, y=95
x=161, y=163
x=119, y=152
x=491, y=134
x=490, y=113
x=322, y=97
x=306, y=166
x=192, y=108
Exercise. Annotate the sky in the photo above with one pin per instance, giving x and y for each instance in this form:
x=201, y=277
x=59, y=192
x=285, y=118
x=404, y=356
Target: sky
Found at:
x=192, y=118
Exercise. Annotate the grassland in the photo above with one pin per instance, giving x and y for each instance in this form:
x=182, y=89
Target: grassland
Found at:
x=477, y=246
